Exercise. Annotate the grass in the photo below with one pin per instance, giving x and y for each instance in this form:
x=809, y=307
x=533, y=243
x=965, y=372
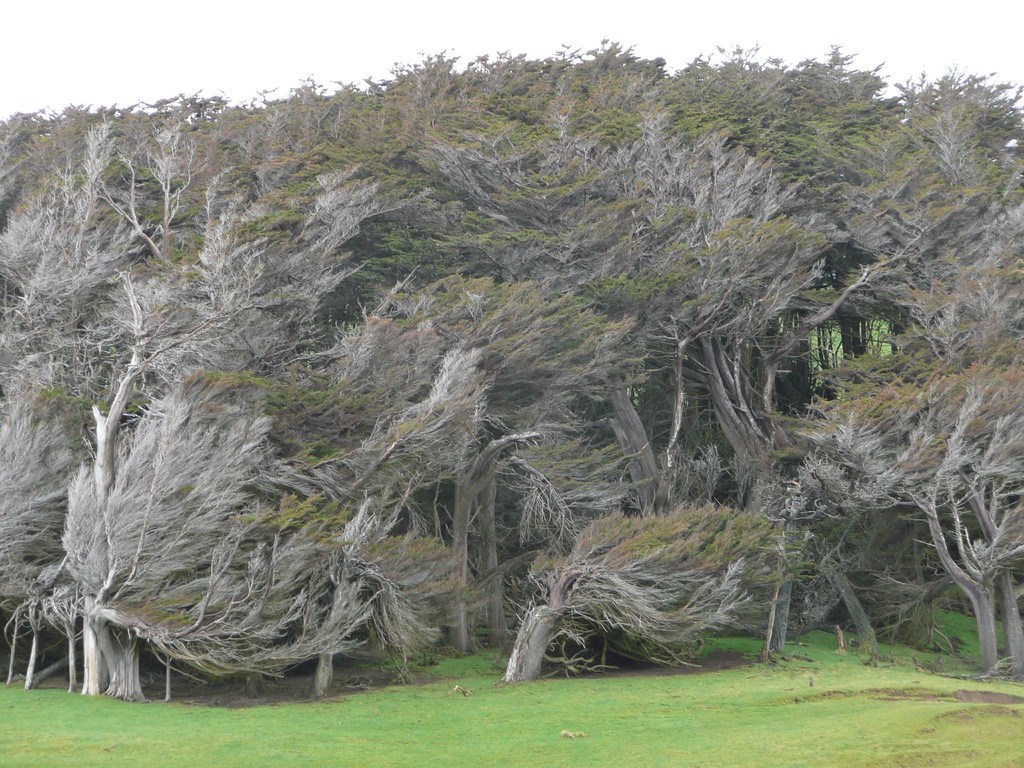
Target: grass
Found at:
x=854, y=715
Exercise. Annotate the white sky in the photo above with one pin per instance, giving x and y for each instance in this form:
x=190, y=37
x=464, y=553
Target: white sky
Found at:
x=123, y=51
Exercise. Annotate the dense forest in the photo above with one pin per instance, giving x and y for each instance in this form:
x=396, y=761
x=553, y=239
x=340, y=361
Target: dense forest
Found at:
x=576, y=357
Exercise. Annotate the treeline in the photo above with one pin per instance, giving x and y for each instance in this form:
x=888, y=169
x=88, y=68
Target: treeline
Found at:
x=571, y=356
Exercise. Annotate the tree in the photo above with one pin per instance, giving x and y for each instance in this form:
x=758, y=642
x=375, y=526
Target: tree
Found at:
x=391, y=420
x=38, y=455
x=542, y=359
x=157, y=548
x=646, y=585
x=952, y=450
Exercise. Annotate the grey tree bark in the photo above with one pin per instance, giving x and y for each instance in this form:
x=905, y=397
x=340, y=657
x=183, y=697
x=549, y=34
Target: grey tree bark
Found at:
x=324, y=675
x=120, y=656
x=780, y=620
x=854, y=607
x=539, y=626
x=1013, y=628
x=470, y=496
x=632, y=438
x=46, y=673
x=32, y=657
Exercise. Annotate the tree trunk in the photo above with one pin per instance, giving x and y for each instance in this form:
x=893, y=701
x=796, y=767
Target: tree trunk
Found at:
x=167, y=678
x=985, y=615
x=978, y=590
x=855, y=608
x=72, y=660
x=44, y=674
x=780, y=623
x=94, y=673
x=469, y=488
x=532, y=641
x=14, y=647
x=255, y=685
x=1012, y=626
x=497, y=626
x=33, y=656
x=459, y=630
x=632, y=438
x=324, y=675
x=120, y=652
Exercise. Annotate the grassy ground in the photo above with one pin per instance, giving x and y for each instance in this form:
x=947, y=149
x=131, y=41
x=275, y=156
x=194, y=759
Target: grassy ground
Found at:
x=754, y=716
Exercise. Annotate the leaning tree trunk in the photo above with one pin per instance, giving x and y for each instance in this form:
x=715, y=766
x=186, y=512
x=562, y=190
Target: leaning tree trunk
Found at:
x=33, y=656
x=120, y=652
x=778, y=608
x=985, y=615
x=979, y=590
x=14, y=647
x=532, y=641
x=1012, y=626
x=539, y=627
x=324, y=675
x=632, y=438
x=855, y=608
x=45, y=674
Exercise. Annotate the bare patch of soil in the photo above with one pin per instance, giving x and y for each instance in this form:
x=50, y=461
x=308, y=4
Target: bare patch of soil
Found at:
x=987, y=697
x=231, y=692
x=713, y=662
x=292, y=689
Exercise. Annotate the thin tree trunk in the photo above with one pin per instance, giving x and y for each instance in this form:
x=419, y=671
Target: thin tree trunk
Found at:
x=72, y=660
x=32, y=658
x=770, y=629
x=497, y=625
x=468, y=490
x=1012, y=626
x=324, y=675
x=167, y=678
x=532, y=641
x=459, y=631
x=780, y=624
x=14, y=646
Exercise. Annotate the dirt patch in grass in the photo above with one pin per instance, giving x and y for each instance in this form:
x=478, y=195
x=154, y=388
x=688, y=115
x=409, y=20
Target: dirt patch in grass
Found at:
x=292, y=689
x=715, y=661
x=231, y=692
x=987, y=697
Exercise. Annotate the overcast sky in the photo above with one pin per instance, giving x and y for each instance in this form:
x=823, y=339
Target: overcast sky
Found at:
x=125, y=51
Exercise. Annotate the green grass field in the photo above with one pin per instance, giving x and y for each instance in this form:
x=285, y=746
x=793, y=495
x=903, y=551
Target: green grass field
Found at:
x=753, y=716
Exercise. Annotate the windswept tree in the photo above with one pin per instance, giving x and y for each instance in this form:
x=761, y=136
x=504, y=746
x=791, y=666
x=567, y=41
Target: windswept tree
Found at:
x=39, y=451
x=644, y=585
x=953, y=448
x=543, y=359
x=118, y=331
x=384, y=421
x=161, y=552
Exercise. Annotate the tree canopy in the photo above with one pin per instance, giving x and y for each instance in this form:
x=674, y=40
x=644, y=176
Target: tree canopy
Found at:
x=325, y=374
